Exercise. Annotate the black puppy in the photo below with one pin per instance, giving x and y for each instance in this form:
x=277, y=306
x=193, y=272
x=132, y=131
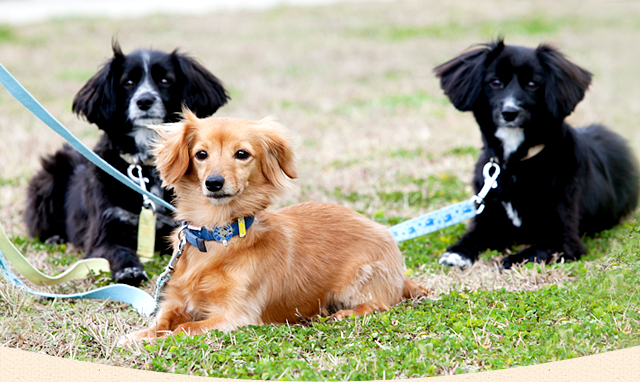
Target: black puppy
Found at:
x=71, y=199
x=556, y=182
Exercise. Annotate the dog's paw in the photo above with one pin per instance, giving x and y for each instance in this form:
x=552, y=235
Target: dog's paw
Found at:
x=125, y=341
x=505, y=263
x=131, y=276
x=342, y=314
x=54, y=240
x=453, y=259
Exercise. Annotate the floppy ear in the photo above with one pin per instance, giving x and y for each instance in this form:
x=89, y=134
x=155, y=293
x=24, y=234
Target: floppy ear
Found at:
x=203, y=93
x=172, y=150
x=462, y=77
x=278, y=159
x=96, y=101
x=566, y=82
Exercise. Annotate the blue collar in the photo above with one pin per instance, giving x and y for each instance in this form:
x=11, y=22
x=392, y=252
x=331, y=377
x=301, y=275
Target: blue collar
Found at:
x=196, y=236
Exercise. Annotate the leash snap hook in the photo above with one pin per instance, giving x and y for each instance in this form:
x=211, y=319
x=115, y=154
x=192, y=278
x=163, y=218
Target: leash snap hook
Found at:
x=490, y=181
x=142, y=183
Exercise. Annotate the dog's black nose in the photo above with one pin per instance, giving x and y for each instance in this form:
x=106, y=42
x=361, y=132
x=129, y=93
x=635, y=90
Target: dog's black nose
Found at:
x=145, y=102
x=510, y=113
x=214, y=183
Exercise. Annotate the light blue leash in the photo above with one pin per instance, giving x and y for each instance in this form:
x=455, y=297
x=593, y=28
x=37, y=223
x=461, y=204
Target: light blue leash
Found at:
x=140, y=300
x=26, y=99
x=449, y=215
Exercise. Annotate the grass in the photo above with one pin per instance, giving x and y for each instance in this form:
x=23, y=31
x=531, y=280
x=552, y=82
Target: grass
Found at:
x=372, y=131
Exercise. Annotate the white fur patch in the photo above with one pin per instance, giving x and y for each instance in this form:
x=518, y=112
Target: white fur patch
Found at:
x=512, y=214
x=453, y=259
x=143, y=136
x=511, y=138
x=510, y=102
x=157, y=110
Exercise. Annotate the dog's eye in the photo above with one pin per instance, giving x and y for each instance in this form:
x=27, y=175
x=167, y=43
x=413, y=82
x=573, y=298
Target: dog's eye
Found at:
x=165, y=82
x=496, y=84
x=201, y=155
x=128, y=83
x=242, y=155
x=532, y=85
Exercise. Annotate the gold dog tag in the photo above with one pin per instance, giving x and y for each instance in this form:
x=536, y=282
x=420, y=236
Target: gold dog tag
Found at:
x=146, y=234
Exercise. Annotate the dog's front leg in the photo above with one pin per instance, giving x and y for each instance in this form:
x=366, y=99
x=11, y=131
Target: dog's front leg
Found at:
x=490, y=230
x=112, y=235
x=558, y=237
x=224, y=321
x=563, y=245
x=168, y=319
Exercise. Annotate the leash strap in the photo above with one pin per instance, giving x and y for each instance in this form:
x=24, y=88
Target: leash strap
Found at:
x=434, y=221
x=79, y=270
x=449, y=215
x=26, y=99
x=137, y=298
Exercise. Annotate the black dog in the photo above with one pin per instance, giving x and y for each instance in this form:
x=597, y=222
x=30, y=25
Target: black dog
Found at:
x=71, y=199
x=556, y=182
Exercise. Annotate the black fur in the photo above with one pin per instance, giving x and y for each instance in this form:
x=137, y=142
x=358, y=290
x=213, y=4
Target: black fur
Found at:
x=582, y=182
x=70, y=199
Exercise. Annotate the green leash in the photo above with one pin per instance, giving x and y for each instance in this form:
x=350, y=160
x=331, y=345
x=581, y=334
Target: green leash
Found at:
x=80, y=269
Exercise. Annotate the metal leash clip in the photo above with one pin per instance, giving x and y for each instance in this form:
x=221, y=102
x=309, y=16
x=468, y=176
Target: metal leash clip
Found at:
x=141, y=181
x=490, y=181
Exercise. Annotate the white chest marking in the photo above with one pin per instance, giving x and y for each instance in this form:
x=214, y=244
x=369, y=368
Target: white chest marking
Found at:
x=511, y=138
x=512, y=214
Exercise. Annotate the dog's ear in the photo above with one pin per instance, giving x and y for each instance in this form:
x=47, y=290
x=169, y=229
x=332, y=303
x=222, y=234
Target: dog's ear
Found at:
x=96, y=100
x=203, y=92
x=278, y=159
x=462, y=77
x=565, y=83
x=172, y=150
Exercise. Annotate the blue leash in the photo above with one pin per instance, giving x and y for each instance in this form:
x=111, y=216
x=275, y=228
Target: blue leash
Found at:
x=26, y=99
x=140, y=300
x=449, y=215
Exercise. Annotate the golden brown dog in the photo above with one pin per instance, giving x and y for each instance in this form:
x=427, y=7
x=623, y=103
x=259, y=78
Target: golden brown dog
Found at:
x=296, y=262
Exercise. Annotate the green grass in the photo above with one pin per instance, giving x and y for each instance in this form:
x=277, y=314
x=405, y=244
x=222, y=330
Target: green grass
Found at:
x=537, y=25
x=7, y=34
x=460, y=332
x=331, y=74
x=395, y=103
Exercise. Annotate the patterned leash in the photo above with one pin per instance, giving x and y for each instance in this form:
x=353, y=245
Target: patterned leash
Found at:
x=449, y=215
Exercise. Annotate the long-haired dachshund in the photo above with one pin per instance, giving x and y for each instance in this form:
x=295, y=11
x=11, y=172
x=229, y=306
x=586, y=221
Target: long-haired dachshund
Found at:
x=297, y=262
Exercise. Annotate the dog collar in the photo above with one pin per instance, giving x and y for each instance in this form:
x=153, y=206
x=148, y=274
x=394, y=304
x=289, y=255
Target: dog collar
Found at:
x=197, y=235
x=133, y=159
x=533, y=151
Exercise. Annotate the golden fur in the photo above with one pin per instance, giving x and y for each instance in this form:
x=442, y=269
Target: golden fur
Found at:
x=296, y=262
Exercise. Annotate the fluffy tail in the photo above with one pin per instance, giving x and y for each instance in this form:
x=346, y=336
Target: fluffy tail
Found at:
x=45, y=210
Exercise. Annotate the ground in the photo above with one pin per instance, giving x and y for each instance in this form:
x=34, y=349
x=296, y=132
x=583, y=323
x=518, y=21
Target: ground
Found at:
x=372, y=131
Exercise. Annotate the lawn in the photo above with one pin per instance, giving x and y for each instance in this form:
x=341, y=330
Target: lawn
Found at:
x=372, y=131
